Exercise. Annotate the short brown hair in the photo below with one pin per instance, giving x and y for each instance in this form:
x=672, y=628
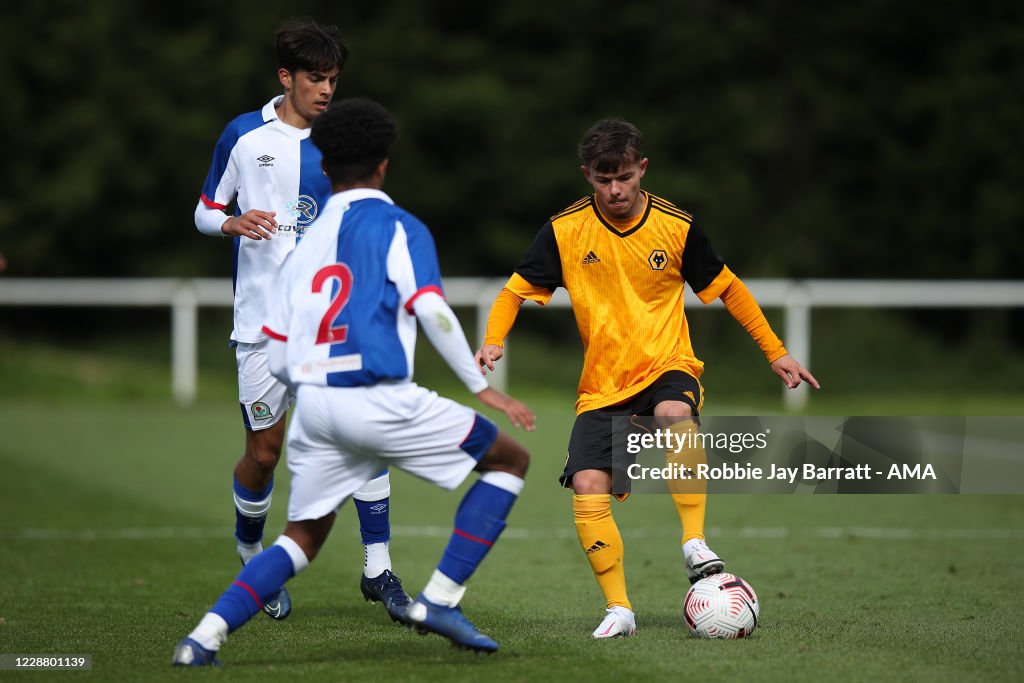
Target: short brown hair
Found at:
x=609, y=144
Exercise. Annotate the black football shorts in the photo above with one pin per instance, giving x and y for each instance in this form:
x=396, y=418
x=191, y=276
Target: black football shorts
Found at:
x=591, y=444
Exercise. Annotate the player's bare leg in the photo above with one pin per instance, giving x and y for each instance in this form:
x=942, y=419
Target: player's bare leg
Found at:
x=310, y=534
x=263, y=448
x=505, y=455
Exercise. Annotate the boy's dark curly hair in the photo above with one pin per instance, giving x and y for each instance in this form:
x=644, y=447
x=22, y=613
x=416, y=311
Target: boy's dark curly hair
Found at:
x=354, y=136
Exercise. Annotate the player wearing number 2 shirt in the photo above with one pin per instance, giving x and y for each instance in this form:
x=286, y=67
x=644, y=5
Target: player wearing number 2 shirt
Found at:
x=342, y=333
x=353, y=324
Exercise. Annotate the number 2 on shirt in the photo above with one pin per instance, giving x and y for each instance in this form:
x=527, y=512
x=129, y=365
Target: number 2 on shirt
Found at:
x=329, y=334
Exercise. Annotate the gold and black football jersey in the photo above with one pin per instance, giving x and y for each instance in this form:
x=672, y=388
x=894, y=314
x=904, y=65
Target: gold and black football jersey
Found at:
x=626, y=285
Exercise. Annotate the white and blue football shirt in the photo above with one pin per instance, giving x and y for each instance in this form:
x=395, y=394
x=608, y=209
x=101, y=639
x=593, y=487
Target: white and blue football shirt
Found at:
x=346, y=294
x=262, y=163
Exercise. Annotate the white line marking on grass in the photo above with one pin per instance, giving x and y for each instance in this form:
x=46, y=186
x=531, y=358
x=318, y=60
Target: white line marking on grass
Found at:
x=556, y=533
x=134, y=534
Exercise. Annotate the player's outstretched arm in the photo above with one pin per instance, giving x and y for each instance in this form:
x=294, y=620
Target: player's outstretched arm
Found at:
x=519, y=414
x=792, y=372
x=741, y=304
x=499, y=323
x=445, y=333
x=486, y=355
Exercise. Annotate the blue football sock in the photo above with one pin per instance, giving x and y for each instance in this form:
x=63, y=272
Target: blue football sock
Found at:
x=259, y=581
x=375, y=514
x=251, y=509
x=479, y=521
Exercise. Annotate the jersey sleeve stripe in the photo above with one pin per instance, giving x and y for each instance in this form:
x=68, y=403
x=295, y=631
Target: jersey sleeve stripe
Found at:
x=717, y=286
x=664, y=204
x=686, y=218
x=212, y=204
x=673, y=211
x=525, y=289
x=421, y=291
x=274, y=335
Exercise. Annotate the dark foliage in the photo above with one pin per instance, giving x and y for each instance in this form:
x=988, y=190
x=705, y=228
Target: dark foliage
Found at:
x=870, y=139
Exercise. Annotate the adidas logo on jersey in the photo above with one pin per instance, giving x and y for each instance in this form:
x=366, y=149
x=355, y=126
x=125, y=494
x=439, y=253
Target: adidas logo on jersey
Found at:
x=591, y=257
x=599, y=545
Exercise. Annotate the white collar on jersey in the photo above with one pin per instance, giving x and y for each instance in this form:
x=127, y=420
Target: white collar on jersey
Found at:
x=354, y=195
x=269, y=113
x=270, y=108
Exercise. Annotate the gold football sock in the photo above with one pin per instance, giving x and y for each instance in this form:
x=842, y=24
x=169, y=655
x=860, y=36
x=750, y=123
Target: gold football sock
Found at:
x=689, y=495
x=602, y=543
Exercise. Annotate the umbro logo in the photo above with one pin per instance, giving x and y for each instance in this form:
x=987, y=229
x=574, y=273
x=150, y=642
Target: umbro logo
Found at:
x=591, y=257
x=379, y=508
x=599, y=545
x=265, y=160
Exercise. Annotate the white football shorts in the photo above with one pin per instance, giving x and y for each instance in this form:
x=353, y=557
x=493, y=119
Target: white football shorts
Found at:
x=264, y=400
x=340, y=438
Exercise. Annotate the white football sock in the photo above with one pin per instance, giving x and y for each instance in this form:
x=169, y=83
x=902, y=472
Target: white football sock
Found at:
x=211, y=632
x=443, y=591
x=376, y=559
x=247, y=551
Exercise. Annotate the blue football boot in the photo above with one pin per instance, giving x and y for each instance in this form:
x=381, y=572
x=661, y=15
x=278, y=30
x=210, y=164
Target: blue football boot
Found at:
x=280, y=606
x=425, y=617
x=190, y=653
x=386, y=588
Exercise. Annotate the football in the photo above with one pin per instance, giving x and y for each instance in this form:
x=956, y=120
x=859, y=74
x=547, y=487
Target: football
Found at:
x=721, y=606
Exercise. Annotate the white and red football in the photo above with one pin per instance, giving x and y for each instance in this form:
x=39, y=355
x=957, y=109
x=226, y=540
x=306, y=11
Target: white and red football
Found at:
x=721, y=606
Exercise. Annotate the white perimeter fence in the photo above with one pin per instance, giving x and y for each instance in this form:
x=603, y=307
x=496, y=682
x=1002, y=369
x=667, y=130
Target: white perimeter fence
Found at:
x=795, y=297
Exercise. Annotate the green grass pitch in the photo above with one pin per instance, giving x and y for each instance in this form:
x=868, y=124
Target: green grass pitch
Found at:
x=115, y=537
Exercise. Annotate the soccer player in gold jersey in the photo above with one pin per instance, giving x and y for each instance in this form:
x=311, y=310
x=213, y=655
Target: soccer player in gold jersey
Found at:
x=623, y=255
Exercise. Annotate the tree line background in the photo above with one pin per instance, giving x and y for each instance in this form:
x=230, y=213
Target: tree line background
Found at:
x=865, y=139
x=874, y=138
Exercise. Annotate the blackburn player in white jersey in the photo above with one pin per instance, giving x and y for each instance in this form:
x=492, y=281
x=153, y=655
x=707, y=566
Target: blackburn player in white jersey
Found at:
x=267, y=166
x=343, y=332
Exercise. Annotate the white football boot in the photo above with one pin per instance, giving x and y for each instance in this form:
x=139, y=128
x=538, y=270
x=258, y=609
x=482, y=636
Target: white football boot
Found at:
x=618, y=622
x=701, y=561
